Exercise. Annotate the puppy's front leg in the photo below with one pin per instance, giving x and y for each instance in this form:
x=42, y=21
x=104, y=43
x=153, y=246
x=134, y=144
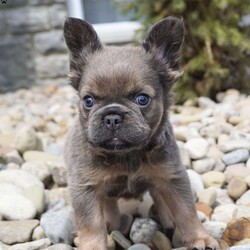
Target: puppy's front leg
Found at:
x=89, y=219
x=176, y=193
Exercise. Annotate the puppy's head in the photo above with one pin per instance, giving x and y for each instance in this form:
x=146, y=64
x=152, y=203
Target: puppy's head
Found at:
x=124, y=91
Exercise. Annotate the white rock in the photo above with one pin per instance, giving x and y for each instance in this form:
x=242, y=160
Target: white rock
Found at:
x=244, y=199
x=215, y=228
x=241, y=211
x=213, y=179
x=195, y=181
x=33, y=245
x=15, y=206
x=207, y=196
x=234, y=144
x=203, y=165
x=197, y=148
x=205, y=102
x=224, y=213
x=31, y=186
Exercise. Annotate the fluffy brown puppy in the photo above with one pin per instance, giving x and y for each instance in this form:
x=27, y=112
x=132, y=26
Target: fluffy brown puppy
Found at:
x=122, y=143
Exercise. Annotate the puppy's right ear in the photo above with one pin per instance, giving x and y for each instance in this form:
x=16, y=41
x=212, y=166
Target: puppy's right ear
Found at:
x=81, y=40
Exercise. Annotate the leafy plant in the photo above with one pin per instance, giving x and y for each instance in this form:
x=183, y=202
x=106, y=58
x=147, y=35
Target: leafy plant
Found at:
x=217, y=46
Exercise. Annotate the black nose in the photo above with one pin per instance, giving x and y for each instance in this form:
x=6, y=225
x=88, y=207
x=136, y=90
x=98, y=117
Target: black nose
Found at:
x=113, y=121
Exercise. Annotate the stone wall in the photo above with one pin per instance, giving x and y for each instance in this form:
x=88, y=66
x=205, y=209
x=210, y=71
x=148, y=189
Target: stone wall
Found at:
x=32, y=49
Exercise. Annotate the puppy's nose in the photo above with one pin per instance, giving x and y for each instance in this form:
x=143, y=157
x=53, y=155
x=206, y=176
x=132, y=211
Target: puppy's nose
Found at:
x=113, y=121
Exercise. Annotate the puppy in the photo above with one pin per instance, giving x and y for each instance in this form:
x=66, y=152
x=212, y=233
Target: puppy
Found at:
x=122, y=143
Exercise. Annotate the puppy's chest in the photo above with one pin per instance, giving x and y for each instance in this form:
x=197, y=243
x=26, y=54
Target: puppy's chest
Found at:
x=127, y=186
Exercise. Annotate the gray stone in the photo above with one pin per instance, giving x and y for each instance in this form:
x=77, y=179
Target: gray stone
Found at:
x=27, y=139
x=33, y=245
x=50, y=41
x=176, y=240
x=39, y=169
x=161, y=241
x=52, y=66
x=58, y=226
x=139, y=247
x=60, y=247
x=14, y=52
x=58, y=15
x=236, y=156
x=120, y=239
x=58, y=171
x=236, y=187
x=28, y=19
x=215, y=228
x=142, y=230
x=12, y=232
x=126, y=222
x=203, y=165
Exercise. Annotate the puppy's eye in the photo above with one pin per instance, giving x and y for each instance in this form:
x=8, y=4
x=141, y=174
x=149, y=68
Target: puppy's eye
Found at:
x=88, y=101
x=142, y=99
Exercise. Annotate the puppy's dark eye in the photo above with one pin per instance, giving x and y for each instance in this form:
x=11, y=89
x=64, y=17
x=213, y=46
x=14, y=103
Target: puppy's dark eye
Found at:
x=142, y=99
x=88, y=101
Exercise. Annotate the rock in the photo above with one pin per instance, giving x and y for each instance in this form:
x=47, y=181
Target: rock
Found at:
x=241, y=211
x=185, y=159
x=203, y=165
x=232, y=145
x=204, y=208
x=111, y=243
x=213, y=179
x=14, y=157
x=39, y=169
x=58, y=171
x=207, y=196
x=27, y=139
x=214, y=153
x=244, y=199
x=142, y=230
x=57, y=194
x=222, y=197
x=38, y=233
x=202, y=217
x=237, y=170
x=205, y=102
x=146, y=204
x=195, y=181
x=161, y=241
x=77, y=241
x=60, y=247
x=197, y=148
x=236, y=188
x=58, y=225
x=12, y=232
x=177, y=241
x=15, y=206
x=222, y=138
x=120, y=239
x=210, y=131
x=247, y=180
x=139, y=247
x=215, y=228
x=237, y=229
x=39, y=156
x=32, y=187
x=126, y=222
x=33, y=245
x=224, y=213
x=236, y=156
x=219, y=166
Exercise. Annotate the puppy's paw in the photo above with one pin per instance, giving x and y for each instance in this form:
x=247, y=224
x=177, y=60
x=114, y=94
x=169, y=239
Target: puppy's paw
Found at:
x=204, y=243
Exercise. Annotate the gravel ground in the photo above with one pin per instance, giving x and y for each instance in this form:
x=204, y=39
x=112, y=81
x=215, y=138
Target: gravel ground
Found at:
x=35, y=211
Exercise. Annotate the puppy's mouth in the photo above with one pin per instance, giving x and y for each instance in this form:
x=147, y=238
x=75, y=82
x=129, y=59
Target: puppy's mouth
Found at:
x=115, y=144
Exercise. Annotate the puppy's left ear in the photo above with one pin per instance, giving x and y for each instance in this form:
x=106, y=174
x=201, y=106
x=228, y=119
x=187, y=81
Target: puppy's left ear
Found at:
x=164, y=41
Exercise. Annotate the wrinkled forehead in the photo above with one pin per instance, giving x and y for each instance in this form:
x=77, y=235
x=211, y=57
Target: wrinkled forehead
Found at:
x=118, y=72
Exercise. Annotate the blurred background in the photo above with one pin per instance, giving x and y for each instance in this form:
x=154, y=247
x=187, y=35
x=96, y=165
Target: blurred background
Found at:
x=215, y=56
